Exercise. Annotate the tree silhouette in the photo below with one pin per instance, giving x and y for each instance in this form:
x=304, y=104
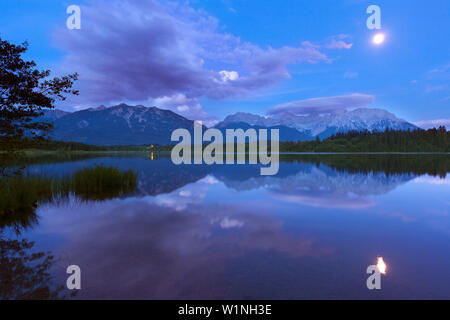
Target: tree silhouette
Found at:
x=24, y=92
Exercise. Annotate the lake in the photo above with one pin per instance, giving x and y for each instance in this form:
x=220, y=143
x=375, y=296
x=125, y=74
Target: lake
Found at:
x=226, y=232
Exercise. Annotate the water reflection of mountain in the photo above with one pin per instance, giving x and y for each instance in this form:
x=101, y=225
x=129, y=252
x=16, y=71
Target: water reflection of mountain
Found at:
x=308, y=175
x=317, y=185
x=314, y=177
x=165, y=177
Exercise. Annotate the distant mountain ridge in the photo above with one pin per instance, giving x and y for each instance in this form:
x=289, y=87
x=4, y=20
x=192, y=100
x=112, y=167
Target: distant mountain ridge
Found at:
x=138, y=125
x=53, y=114
x=119, y=125
x=326, y=125
x=285, y=133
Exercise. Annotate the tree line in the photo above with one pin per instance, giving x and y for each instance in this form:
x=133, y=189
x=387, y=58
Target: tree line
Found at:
x=419, y=140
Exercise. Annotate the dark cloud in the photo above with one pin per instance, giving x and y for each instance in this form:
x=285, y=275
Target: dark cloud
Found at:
x=324, y=104
x=146, y=50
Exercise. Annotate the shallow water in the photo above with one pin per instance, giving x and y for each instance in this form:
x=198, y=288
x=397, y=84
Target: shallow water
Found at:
x=225, y=232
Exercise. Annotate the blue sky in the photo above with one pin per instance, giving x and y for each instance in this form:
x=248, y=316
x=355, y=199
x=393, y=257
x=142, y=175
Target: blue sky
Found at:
x=171, y=54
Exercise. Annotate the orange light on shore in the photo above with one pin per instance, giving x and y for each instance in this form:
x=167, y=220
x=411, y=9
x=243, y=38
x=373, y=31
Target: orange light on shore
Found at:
x=381, y=265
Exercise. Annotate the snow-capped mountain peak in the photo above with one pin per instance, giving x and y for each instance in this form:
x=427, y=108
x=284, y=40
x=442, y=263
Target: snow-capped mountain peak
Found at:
x=327, y=124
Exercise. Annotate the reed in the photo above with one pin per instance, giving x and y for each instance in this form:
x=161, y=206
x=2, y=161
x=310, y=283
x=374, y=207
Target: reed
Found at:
x=21, y=195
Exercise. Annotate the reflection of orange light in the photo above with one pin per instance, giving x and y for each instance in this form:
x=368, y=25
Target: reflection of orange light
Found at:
x=381, y=265
x=152, y=155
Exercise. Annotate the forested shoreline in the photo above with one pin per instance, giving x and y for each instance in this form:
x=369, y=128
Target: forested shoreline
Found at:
x=432, y=140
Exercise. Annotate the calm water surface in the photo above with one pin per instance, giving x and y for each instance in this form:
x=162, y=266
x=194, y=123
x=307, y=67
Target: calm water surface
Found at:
x=225, y=232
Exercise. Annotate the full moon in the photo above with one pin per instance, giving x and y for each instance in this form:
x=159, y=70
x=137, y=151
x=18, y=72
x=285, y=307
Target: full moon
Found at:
x=378, y=38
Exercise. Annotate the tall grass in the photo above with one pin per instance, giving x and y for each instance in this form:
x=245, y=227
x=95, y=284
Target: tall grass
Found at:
x=21, y=195
x=100, y=183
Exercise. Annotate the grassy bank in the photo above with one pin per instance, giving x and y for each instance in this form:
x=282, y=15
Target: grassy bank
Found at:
x=21, y=195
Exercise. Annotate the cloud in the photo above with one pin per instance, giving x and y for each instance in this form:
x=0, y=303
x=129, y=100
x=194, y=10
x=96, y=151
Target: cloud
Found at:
x=440, y=70
x=439, y=75
x=324, y=104
x=428, y=124
x=146, y=50
x=188, y=107
x=431, y=89
x=351, y=75
x=228, y=5
x=229, y=75
x=340, y=41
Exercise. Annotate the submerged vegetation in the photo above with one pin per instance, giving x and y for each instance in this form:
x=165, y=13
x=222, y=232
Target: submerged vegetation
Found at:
x=20, y=195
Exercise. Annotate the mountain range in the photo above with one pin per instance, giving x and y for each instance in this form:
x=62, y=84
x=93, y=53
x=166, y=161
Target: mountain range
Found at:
x=138, y=125
x=325, y=125
x=118, y=125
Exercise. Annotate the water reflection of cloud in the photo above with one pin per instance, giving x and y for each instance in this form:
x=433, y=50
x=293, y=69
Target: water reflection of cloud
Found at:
x=189, y=194
x=322, y=200
x=210, y=180
x=228, y=223
x=138, y=249
x=432, y=180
